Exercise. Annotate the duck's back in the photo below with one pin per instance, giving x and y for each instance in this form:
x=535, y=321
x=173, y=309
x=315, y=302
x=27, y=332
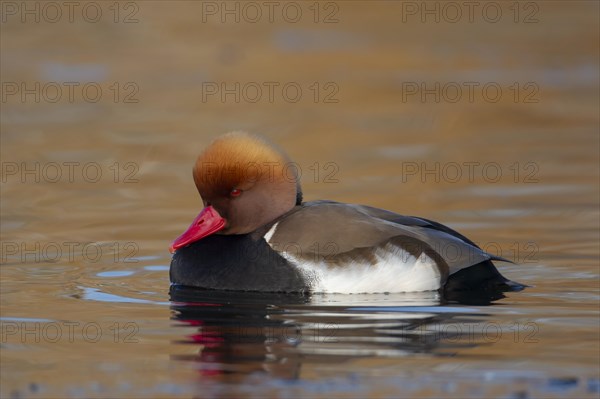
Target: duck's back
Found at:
x=329, y=231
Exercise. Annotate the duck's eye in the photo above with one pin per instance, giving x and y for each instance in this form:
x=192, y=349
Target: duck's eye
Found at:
x=235, y=192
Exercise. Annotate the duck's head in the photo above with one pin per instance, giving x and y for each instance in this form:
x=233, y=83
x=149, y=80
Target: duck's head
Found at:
x=245, y=182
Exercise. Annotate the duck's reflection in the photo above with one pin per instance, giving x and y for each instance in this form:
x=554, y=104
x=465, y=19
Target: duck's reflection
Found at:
x=238, y=333
x=242, y=333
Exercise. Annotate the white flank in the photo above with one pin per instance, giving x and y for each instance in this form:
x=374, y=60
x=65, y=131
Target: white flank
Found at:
x=394, y=270
x=270, y=233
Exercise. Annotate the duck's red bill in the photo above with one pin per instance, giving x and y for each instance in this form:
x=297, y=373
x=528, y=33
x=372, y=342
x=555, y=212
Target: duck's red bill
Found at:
x=206, y=223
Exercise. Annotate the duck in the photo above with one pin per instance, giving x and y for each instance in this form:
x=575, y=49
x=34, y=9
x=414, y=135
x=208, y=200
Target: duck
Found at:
x=255, y=233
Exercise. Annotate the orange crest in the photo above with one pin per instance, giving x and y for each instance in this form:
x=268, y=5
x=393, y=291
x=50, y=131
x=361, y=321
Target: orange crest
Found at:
x=237, y=161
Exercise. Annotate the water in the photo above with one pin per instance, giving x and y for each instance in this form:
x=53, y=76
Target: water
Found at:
x=95, y=189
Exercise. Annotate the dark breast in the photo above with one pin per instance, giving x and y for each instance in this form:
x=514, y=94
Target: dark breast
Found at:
x=234, y=262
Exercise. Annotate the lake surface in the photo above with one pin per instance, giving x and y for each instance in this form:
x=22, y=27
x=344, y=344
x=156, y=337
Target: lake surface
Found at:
x=484, y=119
